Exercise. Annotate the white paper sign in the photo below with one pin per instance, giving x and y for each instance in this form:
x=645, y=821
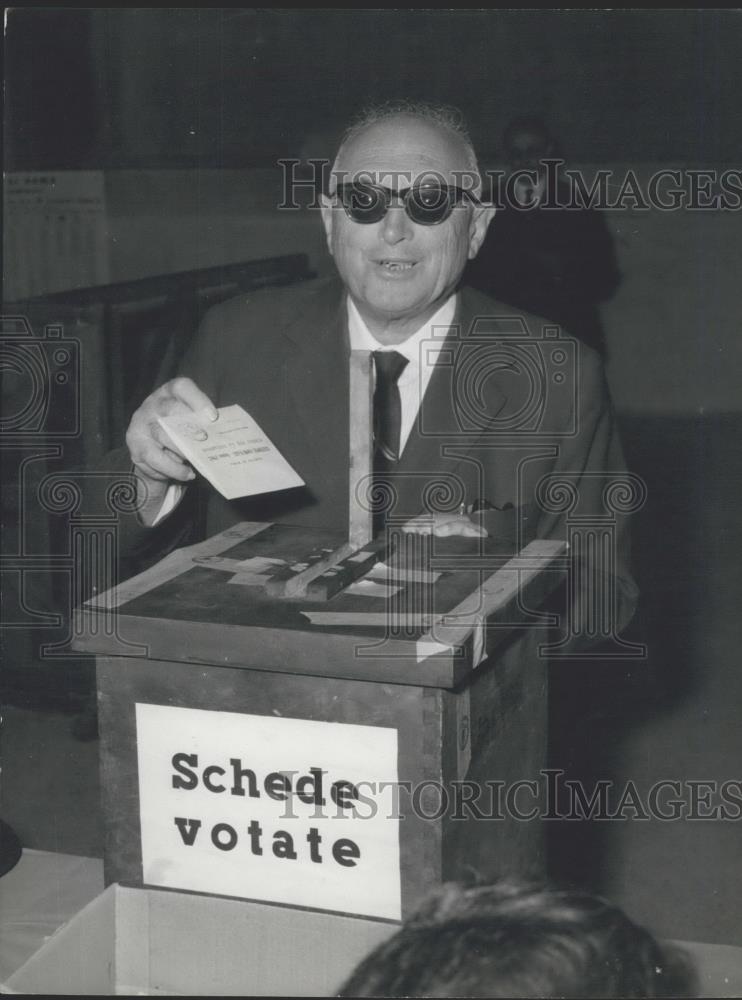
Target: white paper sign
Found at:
x=282, y=810
x=55, y=235
x=233, y=453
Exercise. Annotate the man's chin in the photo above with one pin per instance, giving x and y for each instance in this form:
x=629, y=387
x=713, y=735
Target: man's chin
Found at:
x=399, y=301
x=392, y=312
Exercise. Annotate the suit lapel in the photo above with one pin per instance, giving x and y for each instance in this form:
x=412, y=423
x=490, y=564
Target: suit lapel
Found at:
x=445, y=417
x=317, y=379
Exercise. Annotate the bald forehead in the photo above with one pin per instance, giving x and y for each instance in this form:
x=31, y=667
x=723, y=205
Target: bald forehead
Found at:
x=404, y=144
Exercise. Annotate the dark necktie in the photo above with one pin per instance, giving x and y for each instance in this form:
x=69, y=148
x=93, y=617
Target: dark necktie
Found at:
x=387, y=427
x=387, y=407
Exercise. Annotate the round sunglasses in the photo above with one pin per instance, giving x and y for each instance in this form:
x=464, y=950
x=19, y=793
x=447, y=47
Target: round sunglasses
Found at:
x=425, y=204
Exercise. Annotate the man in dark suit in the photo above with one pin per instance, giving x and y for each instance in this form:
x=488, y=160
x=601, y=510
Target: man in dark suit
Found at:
x=479, y=411
x=546, y=253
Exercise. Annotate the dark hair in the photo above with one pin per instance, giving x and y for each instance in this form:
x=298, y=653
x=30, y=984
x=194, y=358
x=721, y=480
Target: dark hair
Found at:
x=548, y=145
x=516, y=939
x=527, y=123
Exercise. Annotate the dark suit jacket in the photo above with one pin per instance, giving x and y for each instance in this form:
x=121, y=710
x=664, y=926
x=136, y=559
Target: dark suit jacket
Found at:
x=503, y=410
x=556, y=262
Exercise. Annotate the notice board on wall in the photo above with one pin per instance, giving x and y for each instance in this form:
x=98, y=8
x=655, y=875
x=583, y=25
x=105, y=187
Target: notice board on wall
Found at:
x=55, y=232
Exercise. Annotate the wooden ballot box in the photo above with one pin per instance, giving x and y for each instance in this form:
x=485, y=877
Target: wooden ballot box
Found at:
x=344, y=755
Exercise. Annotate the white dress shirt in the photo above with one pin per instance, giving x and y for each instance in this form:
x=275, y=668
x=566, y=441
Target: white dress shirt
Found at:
x=421, y=350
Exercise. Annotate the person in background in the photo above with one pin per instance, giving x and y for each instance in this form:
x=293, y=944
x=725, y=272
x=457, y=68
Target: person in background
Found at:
x=546, y=251
x=518, y=939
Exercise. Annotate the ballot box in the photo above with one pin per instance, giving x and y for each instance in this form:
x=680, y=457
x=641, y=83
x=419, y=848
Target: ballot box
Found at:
x=340, y=755
x=134, y=942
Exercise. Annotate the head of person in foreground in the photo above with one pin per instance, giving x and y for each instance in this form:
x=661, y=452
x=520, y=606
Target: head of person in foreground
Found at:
x=517, y=939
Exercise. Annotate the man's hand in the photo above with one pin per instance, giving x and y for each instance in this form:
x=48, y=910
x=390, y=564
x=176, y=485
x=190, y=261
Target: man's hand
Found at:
x=443, y=525
x=157, y=461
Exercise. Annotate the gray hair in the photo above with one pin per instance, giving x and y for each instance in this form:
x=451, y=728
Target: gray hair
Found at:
x=443, y=116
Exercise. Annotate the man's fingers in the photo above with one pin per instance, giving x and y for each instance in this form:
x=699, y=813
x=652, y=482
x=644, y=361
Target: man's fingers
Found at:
x=163, y=464
x=419, y=527
x=445, y=525
x=146, y=472
x=162, y=438
x=462, y=526
x=186, y=391
x=156, y=457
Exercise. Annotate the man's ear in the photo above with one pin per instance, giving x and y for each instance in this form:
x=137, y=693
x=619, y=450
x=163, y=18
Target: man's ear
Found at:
x=480, y=220
x=327, y=213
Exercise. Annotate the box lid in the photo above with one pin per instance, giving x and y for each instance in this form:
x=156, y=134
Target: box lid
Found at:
x=431, y=632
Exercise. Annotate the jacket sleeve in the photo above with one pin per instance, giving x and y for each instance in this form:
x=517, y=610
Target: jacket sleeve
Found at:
x=114, y=485
x=587, y=500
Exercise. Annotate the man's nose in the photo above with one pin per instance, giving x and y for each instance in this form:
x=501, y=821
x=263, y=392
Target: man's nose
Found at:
x=396, y=225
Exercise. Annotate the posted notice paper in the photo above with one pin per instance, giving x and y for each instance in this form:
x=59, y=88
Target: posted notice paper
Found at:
x=232, y=452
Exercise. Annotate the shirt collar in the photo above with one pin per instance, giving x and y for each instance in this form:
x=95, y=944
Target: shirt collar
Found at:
x=361, y=338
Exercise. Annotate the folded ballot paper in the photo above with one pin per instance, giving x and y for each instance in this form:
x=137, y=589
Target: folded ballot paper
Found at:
x=232, y=452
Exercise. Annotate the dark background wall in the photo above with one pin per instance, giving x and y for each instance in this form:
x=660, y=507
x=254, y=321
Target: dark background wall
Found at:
x=234, y=88
x=187, y=112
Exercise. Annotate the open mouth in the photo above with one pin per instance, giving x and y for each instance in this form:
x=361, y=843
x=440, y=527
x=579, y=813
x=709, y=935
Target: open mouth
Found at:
x=392, y=264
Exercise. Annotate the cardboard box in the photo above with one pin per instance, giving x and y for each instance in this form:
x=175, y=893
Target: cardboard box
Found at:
x=154, y=941
x=207, y=691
